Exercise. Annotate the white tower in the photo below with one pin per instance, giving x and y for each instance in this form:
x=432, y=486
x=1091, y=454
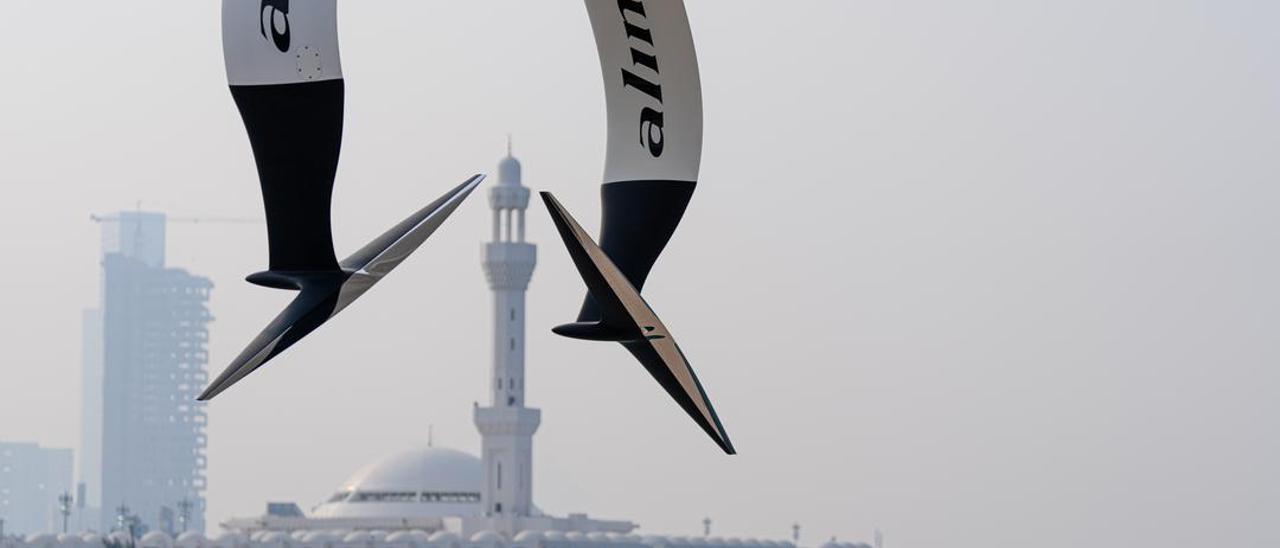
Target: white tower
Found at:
x=506, y=425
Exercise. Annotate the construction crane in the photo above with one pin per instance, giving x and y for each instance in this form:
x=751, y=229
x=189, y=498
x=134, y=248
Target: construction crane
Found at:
x=137, y=242
x=190, y=220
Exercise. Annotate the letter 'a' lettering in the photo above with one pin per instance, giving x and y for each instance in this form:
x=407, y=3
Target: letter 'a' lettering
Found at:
x=651, y=131
x=647, y=186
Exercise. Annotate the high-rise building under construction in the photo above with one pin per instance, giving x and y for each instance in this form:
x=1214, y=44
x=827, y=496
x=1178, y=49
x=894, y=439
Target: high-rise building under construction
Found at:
x=143, y=447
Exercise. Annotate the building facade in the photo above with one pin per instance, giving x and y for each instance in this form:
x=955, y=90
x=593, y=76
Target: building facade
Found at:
x=145, y=360
x=89, y=458
x=433, y=497
x=31, y=480
x=436, y=490
x=506, y=426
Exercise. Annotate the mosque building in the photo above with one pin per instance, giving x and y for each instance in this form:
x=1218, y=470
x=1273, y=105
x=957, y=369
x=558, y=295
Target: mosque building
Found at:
x=434, y=497
x=440, y=490
x=435, y=489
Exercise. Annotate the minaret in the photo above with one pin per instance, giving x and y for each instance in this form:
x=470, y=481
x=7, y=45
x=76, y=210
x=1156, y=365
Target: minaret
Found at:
x=506, y=425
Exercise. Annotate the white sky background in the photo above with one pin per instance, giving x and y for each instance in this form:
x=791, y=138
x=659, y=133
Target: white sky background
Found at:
x=984, y=273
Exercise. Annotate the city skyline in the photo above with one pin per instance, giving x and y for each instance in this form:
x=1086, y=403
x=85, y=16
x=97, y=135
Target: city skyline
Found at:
x=34, y=481
x=133, y=256
x=1009, y=264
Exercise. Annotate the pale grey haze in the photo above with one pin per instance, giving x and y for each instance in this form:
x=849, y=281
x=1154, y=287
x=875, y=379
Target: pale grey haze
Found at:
x=984, y=273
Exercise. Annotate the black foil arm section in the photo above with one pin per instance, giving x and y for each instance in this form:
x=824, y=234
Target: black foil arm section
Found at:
x=637, y=220
x=296, y=133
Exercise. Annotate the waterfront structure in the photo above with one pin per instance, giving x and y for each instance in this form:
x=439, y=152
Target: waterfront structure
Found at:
x=435, y=489
x=31, y=480
x=143, y=438
x=436, y=497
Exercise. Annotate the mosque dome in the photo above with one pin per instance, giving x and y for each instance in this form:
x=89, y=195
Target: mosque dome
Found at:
x=228, y=539
x=320, y=537
x=444, y=538
x=273, y=538
x=509, y=171
x=358, y=537
x=427, y=482
x=42, y=539
x=528, y=537
x=400, y=537
x=155, y=539
x=190, y=539
x=486, y=536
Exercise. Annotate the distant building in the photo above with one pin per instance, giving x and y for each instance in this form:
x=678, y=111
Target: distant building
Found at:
x=31, y=480
x=144, y=364
x=138, y=235
x=428, y=497
x=433, y=497
x=89, y=484
x=506, y=426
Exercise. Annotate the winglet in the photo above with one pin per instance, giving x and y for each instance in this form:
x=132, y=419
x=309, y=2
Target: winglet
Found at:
x=323, y=294
x=627, y=318
x=313, y=306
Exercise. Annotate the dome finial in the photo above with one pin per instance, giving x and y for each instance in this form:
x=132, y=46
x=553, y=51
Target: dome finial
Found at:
x=509, y=168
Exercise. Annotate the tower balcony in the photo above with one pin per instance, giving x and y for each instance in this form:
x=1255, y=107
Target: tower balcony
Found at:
x=509, y=421
x=509, y=197
x=509, y=265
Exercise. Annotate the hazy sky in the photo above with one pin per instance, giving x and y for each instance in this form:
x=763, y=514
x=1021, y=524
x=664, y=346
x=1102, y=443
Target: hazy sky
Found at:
x=984, y=273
